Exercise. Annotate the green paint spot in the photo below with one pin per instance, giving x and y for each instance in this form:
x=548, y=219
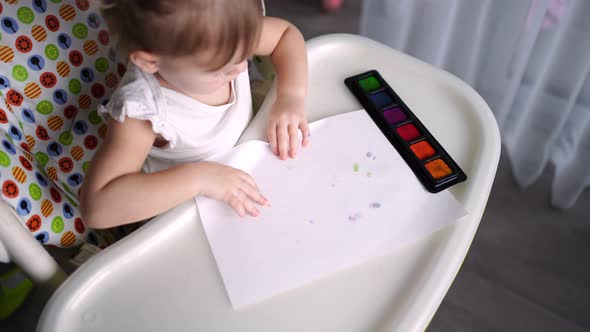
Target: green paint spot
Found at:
x=4, y=159
x=370, y=83
x=355, y=167
x=52, y=52
x=56, y=1
x=80, y=30
x=75, y=86
x=20, y=124
x=94, y=118
x=85, y=166
x=35, y=191
x=66, y=138
x=369, y=174
x=57, y=225
x=20, y=73
x=101, y=64
x=42, y=158
x=25, y=15
x=44, y=107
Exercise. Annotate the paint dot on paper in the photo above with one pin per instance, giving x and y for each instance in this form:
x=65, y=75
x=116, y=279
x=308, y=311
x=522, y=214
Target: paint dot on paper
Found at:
x=354, y=217
x=311, y=221
x=355, y=167
x=369, y=174
x=369, y=154
x=374, y=157
x=375, y=205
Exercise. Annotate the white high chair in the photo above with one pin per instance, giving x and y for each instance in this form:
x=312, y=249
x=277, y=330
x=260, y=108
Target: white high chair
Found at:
x=163, y=277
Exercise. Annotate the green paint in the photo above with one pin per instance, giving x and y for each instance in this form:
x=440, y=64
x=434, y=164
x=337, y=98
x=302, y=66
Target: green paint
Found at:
x=370, y=83
x=355, y=167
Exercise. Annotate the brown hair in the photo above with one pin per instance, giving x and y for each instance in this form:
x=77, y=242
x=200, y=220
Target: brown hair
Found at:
x=225, y=28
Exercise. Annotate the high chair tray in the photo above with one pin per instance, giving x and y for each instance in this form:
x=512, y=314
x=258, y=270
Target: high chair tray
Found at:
x=163, y=277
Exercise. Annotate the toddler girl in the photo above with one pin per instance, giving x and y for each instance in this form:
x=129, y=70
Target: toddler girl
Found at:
x=185, y=97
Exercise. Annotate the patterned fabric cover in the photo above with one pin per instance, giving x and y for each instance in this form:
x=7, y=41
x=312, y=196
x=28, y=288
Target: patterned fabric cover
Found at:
x=56, y=66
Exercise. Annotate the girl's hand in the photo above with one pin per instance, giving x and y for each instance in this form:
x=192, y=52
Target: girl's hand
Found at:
x=286, y=118
x=231, y=186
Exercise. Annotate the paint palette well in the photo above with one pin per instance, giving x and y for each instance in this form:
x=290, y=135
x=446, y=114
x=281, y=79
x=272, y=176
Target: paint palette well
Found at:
x=424, y=155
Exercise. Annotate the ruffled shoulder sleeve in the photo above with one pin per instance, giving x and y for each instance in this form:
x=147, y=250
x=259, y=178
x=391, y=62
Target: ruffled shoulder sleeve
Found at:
x=139, y=96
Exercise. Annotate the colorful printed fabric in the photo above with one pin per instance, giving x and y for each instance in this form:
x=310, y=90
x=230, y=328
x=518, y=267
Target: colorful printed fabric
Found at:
x=56, y=67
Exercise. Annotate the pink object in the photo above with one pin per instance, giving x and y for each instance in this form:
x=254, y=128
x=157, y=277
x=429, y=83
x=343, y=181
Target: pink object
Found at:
x=331, y=5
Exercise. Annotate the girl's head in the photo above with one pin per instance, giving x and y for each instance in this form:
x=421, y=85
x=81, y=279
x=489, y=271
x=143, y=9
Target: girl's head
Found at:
x=195, y=45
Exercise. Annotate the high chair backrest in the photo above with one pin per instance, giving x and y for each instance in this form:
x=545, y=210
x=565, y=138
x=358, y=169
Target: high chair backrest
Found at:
x=56, y=66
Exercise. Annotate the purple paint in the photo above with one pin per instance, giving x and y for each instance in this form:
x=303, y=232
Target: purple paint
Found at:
x=394, y=115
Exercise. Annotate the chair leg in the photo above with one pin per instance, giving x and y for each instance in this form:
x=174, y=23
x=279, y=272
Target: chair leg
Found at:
x=22, y=249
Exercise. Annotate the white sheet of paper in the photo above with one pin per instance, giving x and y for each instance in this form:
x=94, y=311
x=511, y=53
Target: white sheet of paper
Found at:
x=347, y=198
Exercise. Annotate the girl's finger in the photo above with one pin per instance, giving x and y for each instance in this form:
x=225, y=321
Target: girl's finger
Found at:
x=250, y=208
x=283, y=140
x=305, y=132
x=292, y=140
x=237, y=205
x=248, y=178
x=252, y=193
x=272, y=138
x=260, y=199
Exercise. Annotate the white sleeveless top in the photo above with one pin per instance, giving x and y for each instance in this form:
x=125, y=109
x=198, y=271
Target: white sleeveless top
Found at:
x=194, y=130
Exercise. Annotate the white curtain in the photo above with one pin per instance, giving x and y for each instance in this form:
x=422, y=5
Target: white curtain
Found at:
x=529, y=59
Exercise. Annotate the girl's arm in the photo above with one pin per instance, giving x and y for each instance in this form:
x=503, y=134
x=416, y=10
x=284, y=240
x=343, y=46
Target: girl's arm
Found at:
x=115, y=192
x=286, y=46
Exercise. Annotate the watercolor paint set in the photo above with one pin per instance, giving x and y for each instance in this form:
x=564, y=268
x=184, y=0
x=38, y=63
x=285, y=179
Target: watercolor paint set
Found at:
x=424, y=155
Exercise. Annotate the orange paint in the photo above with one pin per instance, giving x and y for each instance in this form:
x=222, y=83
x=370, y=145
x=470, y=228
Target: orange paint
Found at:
x=438, y=169
x=422, y=150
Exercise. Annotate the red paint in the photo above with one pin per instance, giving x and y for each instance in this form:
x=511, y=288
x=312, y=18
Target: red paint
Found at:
x=408, y=132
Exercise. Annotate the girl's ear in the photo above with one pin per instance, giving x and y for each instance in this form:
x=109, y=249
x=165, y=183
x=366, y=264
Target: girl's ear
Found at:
x=147, y=61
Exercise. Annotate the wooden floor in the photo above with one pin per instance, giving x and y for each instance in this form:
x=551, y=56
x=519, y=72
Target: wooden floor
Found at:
x=528, y=268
